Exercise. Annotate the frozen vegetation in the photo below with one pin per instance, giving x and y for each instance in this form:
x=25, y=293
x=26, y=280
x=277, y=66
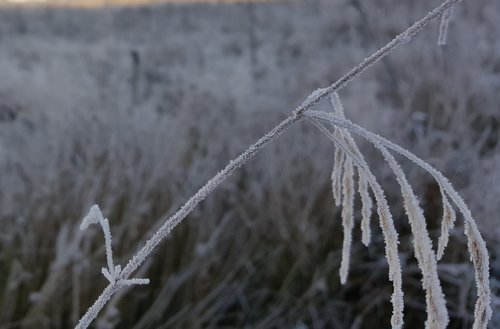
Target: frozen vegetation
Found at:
x=135, y=109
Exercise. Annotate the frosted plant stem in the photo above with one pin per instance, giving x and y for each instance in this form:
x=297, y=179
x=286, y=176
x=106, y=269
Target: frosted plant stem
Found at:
x=202, y=193
x=343, y=134
x=310, y=102
x=98, y=305
x=337, y=176
x=175, y=219
x=347, y=219
x=385, y=219
x=449, y=217
x=437, y=315
x=475, y=242
x=402, y=38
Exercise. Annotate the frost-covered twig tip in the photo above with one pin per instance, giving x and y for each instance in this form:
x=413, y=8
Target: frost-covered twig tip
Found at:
x=113, y=273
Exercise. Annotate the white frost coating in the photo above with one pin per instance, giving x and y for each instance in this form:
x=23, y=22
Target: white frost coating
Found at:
x=475, y=242
x=315, y=96
x=337, y=176
x=339, y=155
x=135, y=281
x=169, y=223
x=444, y=26
x=99, y=304
x=449, y=217
x=366, y=208
x=437, y=315
x=112, y=273
x=107, y=275
x=400, y=39
x=347, y=218
x=95, y=217
x=404, y=37
x=386, y=224
x=340, y=133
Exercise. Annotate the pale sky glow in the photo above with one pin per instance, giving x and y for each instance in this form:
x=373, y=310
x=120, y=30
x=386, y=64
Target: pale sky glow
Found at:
x=22, y=1
x=99, y=3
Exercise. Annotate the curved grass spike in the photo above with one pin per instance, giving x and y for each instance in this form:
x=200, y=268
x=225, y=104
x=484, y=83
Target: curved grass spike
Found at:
x=436, y=305
x=449, y=218
x=475, y=242
x=366, y=200
x=476, y=245
x=366, y=210
x=337, y=176
x=347, y=218
x=385, y=219
x=426, y=258
x=340, y=164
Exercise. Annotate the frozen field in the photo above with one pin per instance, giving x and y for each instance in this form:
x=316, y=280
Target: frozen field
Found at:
x=135, y=108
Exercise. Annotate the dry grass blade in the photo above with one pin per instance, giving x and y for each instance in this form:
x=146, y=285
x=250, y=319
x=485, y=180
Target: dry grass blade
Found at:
x=476, y=245
x=366, y=210
x=385, y=220
x=340, y=158
x=436, y=304
x=337, y=176
x=347, y=218
x=343, y=134
x=449, y=217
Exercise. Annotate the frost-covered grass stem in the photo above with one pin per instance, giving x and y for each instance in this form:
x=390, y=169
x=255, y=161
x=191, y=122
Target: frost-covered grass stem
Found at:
x=400, y=39
x=119, y=278
x=476, y=245
x=174, y=220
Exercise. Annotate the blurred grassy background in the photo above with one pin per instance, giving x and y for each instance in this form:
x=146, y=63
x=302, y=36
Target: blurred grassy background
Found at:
x=135, y=108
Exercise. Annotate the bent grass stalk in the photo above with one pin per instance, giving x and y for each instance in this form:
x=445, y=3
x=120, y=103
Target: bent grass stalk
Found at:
x=475, y=242
x=347, y=155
